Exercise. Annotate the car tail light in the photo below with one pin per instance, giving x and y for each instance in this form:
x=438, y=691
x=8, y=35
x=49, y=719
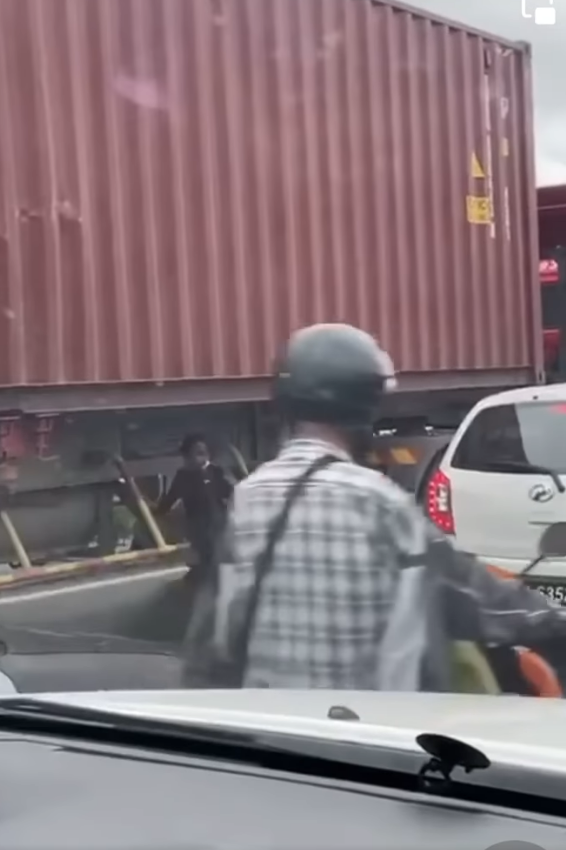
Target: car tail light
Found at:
x=439, y=502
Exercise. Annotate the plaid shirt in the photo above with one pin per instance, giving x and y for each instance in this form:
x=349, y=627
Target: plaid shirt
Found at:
x=327, y=601
x=363, y=592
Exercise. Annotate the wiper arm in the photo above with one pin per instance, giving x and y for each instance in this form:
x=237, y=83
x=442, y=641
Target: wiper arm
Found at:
x=518, y=466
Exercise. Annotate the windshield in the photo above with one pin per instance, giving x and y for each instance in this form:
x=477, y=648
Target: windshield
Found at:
x=192, y=191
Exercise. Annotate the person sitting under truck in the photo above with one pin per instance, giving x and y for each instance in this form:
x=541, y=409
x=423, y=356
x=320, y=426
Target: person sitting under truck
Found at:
x=204, y=490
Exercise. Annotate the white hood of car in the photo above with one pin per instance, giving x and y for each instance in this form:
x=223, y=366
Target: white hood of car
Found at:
x=514, y=730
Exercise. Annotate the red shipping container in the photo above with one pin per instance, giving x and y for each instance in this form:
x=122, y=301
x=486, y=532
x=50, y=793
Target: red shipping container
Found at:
x=182, y=182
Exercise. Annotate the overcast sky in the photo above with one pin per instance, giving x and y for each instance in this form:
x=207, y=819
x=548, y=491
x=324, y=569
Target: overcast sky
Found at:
x=504, y=17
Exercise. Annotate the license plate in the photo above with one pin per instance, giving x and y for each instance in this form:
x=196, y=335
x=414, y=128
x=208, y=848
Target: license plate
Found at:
x=555, y=592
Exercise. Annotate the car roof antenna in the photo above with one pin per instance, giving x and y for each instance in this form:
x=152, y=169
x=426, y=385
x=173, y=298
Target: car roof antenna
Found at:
x=447, y=754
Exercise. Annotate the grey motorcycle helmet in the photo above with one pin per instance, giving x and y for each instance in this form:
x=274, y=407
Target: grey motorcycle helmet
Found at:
x=334, y=374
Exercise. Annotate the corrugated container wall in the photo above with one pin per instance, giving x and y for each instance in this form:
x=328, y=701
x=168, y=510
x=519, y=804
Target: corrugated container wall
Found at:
x=185, y=181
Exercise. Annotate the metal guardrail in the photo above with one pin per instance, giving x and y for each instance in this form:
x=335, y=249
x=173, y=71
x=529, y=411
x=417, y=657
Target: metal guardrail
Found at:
x=161, y=554
x=93, y=567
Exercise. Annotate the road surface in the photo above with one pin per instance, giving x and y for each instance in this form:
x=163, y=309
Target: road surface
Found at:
x=146, y=605
x=110, y=632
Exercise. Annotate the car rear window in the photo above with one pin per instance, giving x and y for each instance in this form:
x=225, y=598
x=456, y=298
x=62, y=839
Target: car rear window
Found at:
x=531, y=433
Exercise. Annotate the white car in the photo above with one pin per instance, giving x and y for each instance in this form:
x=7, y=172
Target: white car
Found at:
x=502, y=481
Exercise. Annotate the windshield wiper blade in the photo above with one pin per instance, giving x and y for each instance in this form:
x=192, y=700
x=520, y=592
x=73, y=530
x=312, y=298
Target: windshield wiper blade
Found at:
x=301, y=754
x=78, y=720
x=518, y=466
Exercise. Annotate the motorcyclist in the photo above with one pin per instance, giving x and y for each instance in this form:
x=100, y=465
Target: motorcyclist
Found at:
x=361, y=592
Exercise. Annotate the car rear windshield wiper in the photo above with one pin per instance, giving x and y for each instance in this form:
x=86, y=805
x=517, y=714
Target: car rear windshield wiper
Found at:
x=519, y=466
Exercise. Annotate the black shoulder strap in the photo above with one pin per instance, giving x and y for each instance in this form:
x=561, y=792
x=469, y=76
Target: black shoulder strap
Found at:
x=264, y=560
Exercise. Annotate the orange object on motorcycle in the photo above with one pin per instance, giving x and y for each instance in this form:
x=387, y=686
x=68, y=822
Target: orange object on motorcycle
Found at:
x=501, y=573
x=539, y=674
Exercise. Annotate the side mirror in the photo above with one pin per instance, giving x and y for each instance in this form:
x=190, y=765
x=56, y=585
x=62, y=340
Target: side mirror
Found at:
x=552, y=543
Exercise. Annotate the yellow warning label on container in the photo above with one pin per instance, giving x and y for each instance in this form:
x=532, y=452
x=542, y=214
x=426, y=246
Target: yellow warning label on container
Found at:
x=479, y=209
x=476, y=169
